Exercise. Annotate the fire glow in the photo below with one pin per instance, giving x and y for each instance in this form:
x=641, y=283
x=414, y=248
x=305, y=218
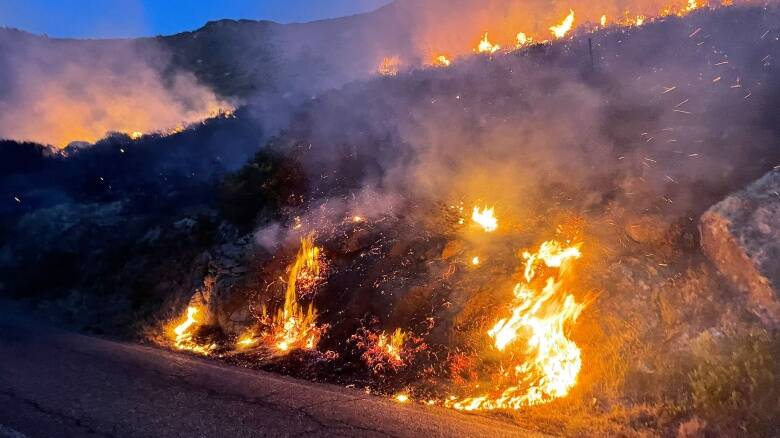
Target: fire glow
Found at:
x=560, y=30
x=485, y=46
x=294, y=327
x=591, y=17
x=485, y=218
x=184, y=333
x=536, y=330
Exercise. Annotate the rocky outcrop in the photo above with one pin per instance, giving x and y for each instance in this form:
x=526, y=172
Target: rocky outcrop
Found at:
x=741, y=236
x=223, y=268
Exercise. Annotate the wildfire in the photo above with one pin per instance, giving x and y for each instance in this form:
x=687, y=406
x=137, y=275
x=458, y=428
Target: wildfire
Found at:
x=541, y=311
x=390, y=66
x=384, y=352
x=485, y=218
x=392, y=344
x=640, y=20
x=692, y=5
x=442, y=61
x=562, y=29
x=183, y=334
x=294, y=327
x=485, y=46
x=136, y=135
x=523, y=39
x=603, y=20
x=247, y=340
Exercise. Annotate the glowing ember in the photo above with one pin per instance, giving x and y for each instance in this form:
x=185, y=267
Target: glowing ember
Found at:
x=541, y=311
x=485, y=46
x=294, y=327
x=562, y=29
x=389, y=66
x=485, y=218
x=183, y=334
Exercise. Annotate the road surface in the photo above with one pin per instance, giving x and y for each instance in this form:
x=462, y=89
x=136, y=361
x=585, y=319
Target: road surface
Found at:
x=54, y=383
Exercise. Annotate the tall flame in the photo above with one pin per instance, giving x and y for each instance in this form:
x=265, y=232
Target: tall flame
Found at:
x=485, y=46
x=294, y=327
x=541, y=312
x=562, y=29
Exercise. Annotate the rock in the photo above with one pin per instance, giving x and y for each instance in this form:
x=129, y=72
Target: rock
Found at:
x=741, y=236
x=647, y=229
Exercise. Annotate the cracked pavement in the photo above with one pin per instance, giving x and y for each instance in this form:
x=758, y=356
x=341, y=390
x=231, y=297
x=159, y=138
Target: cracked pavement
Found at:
x=55, y=383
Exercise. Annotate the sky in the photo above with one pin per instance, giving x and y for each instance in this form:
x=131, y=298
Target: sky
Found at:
x=133, y=18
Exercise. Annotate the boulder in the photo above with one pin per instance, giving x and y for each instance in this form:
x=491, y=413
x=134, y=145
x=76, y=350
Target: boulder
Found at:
x=741, y=236
x=648, y=229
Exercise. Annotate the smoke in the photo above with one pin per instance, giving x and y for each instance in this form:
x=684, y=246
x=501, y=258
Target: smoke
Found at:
x=656, y=124
x=60, y=91
x=455, y=27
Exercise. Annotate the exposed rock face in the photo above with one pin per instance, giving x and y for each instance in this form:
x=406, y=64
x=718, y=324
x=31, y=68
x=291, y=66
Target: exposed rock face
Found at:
x=741, y=236
x=223, y=269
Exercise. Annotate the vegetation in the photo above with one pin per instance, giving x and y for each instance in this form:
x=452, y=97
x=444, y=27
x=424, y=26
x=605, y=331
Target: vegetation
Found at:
x=271, y=181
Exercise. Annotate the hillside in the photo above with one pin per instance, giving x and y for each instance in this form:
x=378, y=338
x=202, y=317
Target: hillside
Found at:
x=348, y=217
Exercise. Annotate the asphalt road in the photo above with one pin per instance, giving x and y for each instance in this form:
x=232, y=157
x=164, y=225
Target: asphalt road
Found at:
x=54, y=383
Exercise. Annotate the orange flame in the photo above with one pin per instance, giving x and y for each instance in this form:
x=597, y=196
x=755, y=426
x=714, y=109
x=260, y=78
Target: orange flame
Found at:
x=392, y=345
x=183, y=334
x=485, y=218
x=523, y=39
x=541, y=311
x=485, y=46
x=565, y=26
x=294, y=327
x=442, y=61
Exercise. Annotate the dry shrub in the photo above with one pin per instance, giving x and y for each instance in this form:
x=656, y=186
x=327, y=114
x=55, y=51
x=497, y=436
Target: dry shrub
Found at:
x=735, y=384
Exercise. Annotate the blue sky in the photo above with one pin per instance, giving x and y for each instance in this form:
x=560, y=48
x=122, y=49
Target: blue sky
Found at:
x=129, y=18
